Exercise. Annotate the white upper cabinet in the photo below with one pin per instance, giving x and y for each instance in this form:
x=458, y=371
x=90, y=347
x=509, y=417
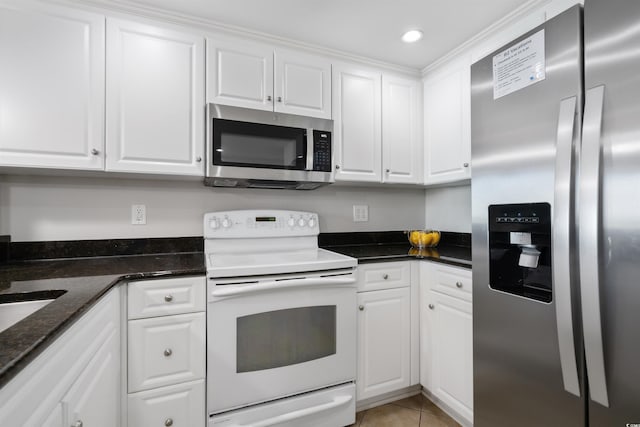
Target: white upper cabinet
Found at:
x=155, y=99
x=302, y=84
x=51, y=86
x=249, y=74
x=401, y=124
x=239, y=73
x=357, y=133
x=447, y=125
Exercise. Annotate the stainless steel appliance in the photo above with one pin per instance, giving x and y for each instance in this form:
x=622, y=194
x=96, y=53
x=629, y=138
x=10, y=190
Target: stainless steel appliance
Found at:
x=556, y=234
x=261, y=149
x=281, y=322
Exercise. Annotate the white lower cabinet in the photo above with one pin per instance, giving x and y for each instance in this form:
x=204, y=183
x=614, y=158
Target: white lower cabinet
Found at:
x=446, y=336
x=387, y=342
x=176, y=405
x=383, y=342
x=166, y=354
x=76, y=380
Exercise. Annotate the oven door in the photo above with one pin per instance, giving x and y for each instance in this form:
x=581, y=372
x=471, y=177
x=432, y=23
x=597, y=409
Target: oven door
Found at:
x=278, y=337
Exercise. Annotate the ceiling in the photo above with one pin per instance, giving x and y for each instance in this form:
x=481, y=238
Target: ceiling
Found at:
x=370, y=28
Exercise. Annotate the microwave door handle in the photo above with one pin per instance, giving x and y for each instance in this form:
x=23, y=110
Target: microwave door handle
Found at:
x=300, y=413
x=231, y=291
x=309, y=165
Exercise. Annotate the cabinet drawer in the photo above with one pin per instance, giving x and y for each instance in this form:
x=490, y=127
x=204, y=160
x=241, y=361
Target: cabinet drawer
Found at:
x=452, y=281
x=166, y=350
x=162, y=297
x=385, y=275
x=177, y=405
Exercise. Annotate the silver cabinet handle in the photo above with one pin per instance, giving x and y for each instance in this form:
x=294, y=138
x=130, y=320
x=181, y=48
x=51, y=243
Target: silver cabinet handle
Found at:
x=431, y=306
x=466, y=165
x=387, y=170
x=94, y=152
x=168, y=422
x=279, y=99
x=337, y=166
x=561, y=257
x=268, y=97
x=459, y=284
x=77, y=424
x=361, y=307
x=385, y=276
x=589, y=243
x=168, y=352
x=168, y=298
x=198, y=159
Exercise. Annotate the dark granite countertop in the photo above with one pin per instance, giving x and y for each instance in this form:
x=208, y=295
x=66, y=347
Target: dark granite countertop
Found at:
x=80, y=272
x=83, y=281
x=448, y=254
x=454, y=248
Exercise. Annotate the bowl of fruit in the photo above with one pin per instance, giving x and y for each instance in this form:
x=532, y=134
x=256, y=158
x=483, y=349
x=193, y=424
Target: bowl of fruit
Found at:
x=423, y=238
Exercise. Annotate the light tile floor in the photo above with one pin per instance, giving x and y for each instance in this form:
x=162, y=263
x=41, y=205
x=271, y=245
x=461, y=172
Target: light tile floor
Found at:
x=415, y=411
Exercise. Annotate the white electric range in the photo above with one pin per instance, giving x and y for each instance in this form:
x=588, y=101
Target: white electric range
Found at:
x=281, y=322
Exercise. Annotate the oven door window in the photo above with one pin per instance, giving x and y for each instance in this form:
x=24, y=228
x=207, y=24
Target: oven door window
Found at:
x=258, y=145
x=285, y=337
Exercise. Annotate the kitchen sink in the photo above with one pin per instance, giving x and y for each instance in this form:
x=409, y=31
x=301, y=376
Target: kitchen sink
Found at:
x=15, y=307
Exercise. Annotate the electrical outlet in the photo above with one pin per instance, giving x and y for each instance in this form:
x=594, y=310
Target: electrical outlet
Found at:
x=360, y=213
x=138, y=214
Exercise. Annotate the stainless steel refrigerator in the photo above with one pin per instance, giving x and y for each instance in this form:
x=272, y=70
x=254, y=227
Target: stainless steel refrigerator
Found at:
x=556, y=222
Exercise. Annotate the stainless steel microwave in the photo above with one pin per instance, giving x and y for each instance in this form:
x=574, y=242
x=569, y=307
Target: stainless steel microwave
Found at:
x=262, y=149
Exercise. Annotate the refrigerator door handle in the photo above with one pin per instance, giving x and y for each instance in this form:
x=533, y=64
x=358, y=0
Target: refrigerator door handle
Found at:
x=589, y=243
x=562, y=244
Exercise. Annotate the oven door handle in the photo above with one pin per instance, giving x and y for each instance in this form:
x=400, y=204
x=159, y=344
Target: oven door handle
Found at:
x=229, y=291
x=300, y=413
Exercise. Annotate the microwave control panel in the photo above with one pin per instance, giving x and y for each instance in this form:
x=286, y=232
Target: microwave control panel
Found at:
x=321, y=151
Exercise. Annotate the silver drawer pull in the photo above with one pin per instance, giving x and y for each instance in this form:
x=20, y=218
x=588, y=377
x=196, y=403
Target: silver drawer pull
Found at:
x=431, y=306
x=168, y=298
x=168, y=352
x=78, y=424
x=385, y=276
x=361, y=307
x=459, y=284
x=168, y=422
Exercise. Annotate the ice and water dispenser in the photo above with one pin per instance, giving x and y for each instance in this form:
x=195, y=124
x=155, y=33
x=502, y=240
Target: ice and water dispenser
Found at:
x=520, y=249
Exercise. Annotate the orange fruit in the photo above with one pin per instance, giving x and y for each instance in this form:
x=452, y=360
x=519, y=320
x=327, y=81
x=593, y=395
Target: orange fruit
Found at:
x=414, y=238
x=425, y=239
x=435, y=238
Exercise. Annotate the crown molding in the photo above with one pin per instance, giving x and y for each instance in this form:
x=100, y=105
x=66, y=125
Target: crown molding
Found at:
x=491, y=30
x=207, y=25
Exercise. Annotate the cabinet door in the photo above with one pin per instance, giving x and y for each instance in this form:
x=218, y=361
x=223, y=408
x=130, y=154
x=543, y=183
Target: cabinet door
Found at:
x=384, y=342
x=451, y=352
x=401, y=140
x=155, y=100
x=55, y=418
x=94, y=397
x=357, y=135
x=302, y=84
x=447, y=125
x=239, y=73
x=51, y=86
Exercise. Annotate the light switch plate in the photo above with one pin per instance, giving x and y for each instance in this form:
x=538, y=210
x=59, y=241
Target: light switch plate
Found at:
x=360, y=213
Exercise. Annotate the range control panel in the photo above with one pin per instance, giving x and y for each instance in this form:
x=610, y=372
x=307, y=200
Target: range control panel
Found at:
x=260, y=223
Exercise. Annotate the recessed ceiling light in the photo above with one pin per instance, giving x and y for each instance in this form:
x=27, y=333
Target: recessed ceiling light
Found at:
x=412, y=36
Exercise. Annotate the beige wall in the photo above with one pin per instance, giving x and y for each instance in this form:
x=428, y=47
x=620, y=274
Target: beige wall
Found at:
x=449, y=208
x=34, y=208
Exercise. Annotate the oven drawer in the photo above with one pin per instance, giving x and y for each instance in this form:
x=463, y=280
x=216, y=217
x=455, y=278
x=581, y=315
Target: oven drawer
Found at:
x=177, y=405
x=166, y=350
x=161, y=297
x=384, y=275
